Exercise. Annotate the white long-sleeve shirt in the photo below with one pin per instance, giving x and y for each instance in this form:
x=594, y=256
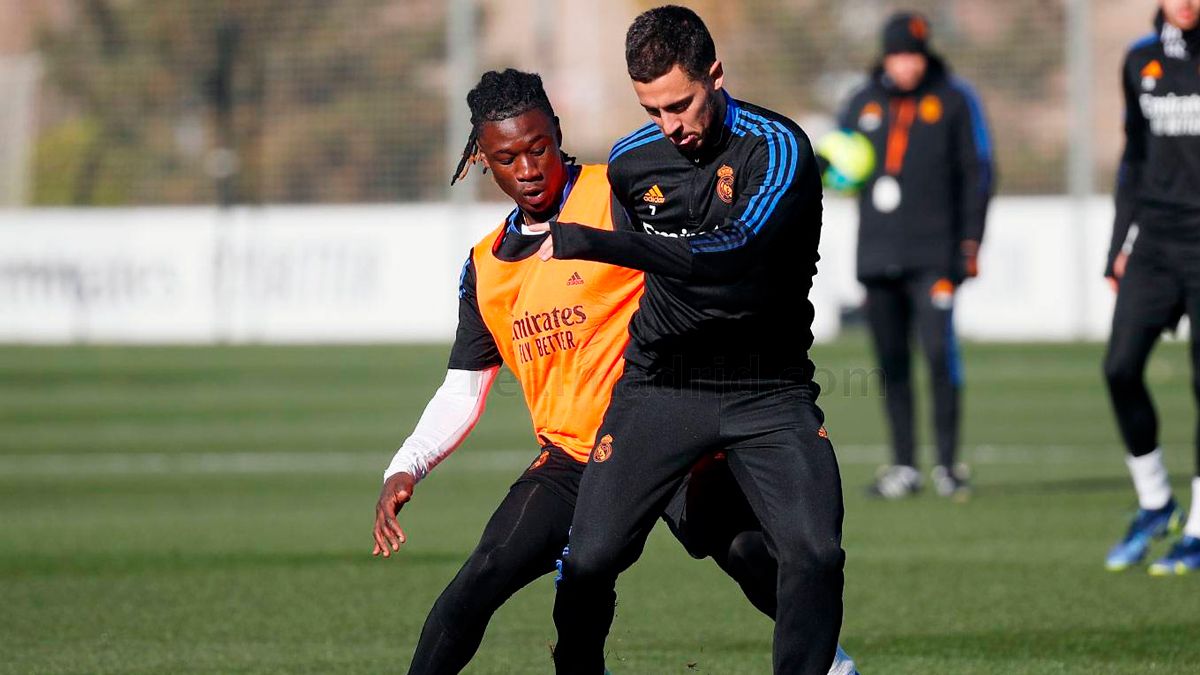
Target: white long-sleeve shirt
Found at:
x=447, y=421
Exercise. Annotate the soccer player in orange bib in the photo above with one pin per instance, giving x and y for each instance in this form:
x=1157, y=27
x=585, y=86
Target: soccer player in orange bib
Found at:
x=561, y=328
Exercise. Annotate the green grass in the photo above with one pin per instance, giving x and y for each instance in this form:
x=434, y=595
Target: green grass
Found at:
x=193, y=510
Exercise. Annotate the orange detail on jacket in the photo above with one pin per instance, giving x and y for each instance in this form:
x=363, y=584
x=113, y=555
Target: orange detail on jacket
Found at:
x=931, y=109
x=903, y=110
x=564, y=341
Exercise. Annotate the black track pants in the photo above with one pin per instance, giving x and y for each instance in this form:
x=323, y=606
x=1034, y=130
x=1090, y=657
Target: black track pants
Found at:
x=525, y=537
x=894, y=308
x=1161, y=284
x=783, y=462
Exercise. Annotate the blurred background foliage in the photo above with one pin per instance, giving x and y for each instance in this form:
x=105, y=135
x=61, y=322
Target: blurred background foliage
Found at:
x=299, y=101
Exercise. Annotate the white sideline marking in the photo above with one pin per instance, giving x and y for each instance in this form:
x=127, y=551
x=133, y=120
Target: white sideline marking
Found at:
x=372, y=461
x=149, y=463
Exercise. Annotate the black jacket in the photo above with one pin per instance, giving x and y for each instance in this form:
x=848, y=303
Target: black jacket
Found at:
x=1158, y=184
x=728, y=239
x=934, y=143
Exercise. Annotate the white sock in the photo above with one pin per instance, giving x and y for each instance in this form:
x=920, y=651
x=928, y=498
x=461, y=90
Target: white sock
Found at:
x=1192, y=528
x=1150, y=479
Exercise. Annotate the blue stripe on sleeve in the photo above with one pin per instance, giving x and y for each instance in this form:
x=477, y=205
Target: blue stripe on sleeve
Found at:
x=724, y=240
x=512, y=221
x=953, y=353
x=751, y=219
x=1124, y=174
x=783, y=154
x=646, y=134
x=770, y=179
x=979, y=130
x=732, y=109
x=983, y=140
x=793, y=151
x=645, y=141
x=1144, y=41
x=462, y=278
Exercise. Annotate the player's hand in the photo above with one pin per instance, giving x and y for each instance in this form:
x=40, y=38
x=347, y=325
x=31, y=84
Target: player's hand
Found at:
x=1118, y=270
x=970, y=251
x=396, y=492
x=1119, y=265
x=546, y=251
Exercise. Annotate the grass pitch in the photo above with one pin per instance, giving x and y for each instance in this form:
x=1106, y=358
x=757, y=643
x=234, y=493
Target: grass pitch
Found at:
x=192, y=510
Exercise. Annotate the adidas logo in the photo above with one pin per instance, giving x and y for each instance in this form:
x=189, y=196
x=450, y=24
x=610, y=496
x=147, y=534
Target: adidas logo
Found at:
x=654, y=196
x=575, y=280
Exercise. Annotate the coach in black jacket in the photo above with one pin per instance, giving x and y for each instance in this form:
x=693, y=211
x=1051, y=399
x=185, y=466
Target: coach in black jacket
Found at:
x=921, y=221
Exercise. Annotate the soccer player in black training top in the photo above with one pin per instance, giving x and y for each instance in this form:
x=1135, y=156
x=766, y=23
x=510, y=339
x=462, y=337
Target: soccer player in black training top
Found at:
x=1154, y=261
x=567, y=384
x=921, y=219
x=723, y=200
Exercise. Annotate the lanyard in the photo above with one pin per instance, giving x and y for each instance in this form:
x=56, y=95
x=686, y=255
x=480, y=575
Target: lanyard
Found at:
x=902, y=111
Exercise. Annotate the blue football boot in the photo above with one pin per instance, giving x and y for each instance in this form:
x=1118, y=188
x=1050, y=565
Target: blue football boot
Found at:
x=1146, y=527
x=843, y=664
x=1183, y=558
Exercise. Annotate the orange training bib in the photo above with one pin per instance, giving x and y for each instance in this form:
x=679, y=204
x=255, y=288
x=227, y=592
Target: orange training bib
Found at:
x=562, y=325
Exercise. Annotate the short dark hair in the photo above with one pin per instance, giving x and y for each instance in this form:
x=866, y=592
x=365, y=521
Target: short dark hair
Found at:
x=501, y=96
x=663, y=37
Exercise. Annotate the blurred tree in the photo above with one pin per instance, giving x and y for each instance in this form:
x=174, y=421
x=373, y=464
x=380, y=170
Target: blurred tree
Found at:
x=186, y=101
x=345, y=101
x=801, y=56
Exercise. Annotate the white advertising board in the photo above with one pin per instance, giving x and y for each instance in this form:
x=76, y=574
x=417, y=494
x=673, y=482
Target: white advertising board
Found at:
x=390, y=273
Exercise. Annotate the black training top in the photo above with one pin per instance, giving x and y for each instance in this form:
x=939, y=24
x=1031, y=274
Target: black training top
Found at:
x=728, y=238
x=933, y=176
x=1158, y=185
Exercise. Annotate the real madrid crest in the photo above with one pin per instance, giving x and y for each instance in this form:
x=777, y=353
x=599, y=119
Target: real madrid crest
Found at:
x=604, y=450
x=871, y=117
x=941, y=294
x=725, y=183
x=1151, y=74
x=931, y=109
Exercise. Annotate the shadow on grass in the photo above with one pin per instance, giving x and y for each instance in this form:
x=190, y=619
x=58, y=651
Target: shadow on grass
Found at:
x=1011, y=650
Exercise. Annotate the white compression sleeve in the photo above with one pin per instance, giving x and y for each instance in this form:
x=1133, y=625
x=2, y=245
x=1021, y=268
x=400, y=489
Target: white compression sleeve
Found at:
x=447, y=420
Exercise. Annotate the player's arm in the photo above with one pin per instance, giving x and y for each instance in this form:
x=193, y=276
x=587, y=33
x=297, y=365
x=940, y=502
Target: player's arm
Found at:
x=976, y=172
x=448, y=418
x=1129, y=176
x=783, y=176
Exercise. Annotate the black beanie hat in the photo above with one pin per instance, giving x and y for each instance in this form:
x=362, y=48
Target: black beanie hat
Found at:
x=906, y=32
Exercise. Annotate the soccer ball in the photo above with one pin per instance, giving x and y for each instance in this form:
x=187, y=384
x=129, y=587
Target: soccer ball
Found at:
x=849, y=160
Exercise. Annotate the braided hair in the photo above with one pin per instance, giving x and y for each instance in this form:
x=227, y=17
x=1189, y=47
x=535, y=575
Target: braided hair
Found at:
x=501, y=96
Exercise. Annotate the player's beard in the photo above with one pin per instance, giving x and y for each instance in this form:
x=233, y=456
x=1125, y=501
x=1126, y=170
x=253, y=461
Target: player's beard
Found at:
x=708, y=130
